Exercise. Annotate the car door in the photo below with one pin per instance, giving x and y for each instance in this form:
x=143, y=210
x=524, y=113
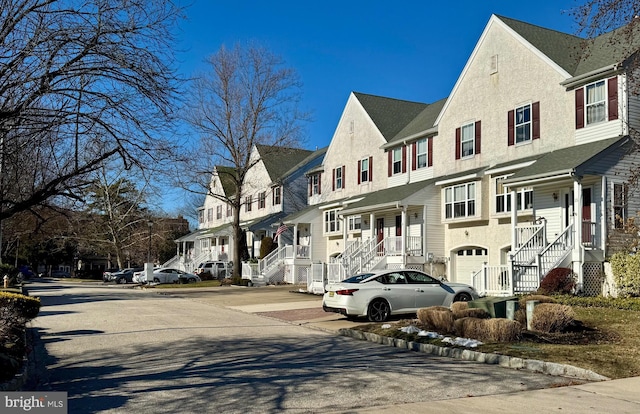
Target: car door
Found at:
x=397, y=292
x=427, y=290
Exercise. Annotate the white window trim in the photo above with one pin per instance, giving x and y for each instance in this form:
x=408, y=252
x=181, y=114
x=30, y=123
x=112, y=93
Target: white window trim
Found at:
x=472, y=127
x=422, y=154
x=528, y=124
x=477, y=202
x=520, y=194
x=327, y=220
x=603, y=101
x=362, y=170
x=396, y=161
x=351, y=224
x=315, y=184
x=339, y=178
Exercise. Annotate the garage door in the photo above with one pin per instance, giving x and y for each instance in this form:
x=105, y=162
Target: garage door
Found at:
x=469, y=261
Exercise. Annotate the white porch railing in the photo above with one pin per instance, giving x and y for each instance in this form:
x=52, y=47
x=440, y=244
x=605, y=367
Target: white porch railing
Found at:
x=336, y=272
x=556, y=251
x=274, y=258
x=527, y=250
x=303, y=252
x=493, y=281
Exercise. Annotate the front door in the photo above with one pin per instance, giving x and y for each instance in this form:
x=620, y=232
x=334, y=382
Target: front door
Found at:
x=380, y=235
x=398, y=242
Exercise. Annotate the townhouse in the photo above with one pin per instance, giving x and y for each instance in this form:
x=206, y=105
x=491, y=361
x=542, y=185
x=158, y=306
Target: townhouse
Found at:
x=524, y=167
x=275, y=187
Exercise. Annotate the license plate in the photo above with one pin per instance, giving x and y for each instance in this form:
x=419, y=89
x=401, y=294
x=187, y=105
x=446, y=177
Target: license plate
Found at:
x=330, y=294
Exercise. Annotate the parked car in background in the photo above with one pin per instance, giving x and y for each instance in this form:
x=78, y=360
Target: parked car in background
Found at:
x=124, y=276
x=166, y=275
x=378, y=295
x=106, y=275
x=60, y=273
x=214, y=269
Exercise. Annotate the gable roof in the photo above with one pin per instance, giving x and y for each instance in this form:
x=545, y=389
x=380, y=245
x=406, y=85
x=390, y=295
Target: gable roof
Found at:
x=389, y=115
x=387, y=197
x=278, y=160
x=563, y=161
x=422, y=122
x=574, y=54
x=226, y=180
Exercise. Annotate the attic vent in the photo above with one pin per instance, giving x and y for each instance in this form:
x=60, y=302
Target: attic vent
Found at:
x=493, y=67
x=351, y=126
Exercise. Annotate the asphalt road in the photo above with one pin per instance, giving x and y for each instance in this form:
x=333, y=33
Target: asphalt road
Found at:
x=117, y=350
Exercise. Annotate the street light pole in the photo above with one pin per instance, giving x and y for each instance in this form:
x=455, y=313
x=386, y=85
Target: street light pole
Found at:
x=150, y=224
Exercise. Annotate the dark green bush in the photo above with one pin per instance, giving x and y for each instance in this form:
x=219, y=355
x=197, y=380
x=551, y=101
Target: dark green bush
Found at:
x=26, y=306
x=266, y=246
x=626, y=274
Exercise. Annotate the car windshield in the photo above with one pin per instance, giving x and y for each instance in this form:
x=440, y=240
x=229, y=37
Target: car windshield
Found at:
x=358, y=278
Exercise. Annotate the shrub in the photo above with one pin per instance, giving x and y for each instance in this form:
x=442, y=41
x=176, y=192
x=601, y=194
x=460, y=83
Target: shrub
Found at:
x=458, y=306
x=552, y=317
x=266, y=246
x=521, y=313
x=471, y=313
x=26, y=306
x=560, y=280
x=626, y=274
x=469, y=328
x=489, y=330
x=503, y=330
x=436, y=318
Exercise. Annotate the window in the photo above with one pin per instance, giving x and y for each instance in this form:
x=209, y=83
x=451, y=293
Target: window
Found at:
x=619, y=205
x=595, y=103
x=315, y=184
x=397, y=160
x=503, y=197
x=218, y=212
x=467, y=141
x=229, y=210
x=363, y=167
x=261, y=199
x=354, y=223
x=331, y=221
x=201, y=216
x=248, y=200
x=338, y=178
x=276, y=195
x=523, y=124
x=421, y=153
x=460, y=201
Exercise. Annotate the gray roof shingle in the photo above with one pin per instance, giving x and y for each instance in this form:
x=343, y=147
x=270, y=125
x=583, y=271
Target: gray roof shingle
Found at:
x=390, y=115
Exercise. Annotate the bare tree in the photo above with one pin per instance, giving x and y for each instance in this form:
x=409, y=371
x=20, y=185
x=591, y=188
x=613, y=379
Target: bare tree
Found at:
x=81, y=82
x=248, y=98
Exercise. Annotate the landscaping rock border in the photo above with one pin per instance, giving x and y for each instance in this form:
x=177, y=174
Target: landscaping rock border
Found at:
x=549, y=368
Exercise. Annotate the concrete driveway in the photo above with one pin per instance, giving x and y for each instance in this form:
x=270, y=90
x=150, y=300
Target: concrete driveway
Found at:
x=124, y=350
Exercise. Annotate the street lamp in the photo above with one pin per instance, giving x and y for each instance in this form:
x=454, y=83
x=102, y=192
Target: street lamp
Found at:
x=150, y=224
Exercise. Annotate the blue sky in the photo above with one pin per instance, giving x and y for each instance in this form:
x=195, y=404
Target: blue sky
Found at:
x=405, y=50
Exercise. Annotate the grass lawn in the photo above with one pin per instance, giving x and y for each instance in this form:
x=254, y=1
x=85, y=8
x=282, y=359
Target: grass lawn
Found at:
x=609, y=345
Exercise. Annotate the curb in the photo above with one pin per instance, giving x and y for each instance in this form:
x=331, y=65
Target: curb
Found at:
x=534, y=365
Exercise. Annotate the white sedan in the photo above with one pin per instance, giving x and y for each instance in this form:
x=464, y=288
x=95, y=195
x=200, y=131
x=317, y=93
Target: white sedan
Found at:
x=167, y=275
x=379, y=294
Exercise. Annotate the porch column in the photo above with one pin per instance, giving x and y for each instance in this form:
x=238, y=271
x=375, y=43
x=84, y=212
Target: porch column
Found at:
x=577, y=228
x=403, y=236
x=372, y=225
x=602, y=214
x=345, y=223
x=295, y=240
x=514, y=220
x=424, y=232
x=210, y=256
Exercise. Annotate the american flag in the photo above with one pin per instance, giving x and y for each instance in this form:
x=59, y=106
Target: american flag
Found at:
x=280, y=230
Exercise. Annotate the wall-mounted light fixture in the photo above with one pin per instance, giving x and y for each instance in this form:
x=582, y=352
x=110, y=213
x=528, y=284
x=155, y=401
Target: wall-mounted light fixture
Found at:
x=555, y=196
x=415, y=215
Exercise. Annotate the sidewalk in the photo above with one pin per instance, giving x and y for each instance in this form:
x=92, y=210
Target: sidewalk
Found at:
x=614, y=396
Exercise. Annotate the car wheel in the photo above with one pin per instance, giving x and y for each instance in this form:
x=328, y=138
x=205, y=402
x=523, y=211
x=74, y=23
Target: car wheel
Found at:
x=462, y=297
x=156, y=280
x=121, y=281
x=378, y=311
x=192, y=280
